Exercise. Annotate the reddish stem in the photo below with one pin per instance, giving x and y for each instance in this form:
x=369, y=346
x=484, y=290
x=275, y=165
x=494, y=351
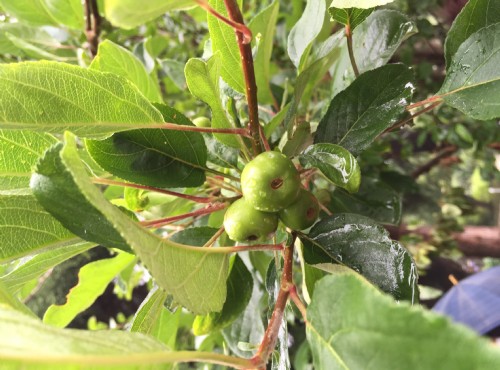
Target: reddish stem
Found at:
x=271, y=335
x=294, y=296
x=432, y=99
x=204, y=211
x=251, y=86
x=150, y=188
x=348, y=35
x=232, y=131
x=244, y=30
x=409, y=119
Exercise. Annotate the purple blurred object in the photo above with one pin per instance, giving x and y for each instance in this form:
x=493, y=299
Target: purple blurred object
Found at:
x=474, y=301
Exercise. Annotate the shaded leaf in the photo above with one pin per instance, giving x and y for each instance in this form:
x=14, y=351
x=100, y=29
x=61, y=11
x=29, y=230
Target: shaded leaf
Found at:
x=263, y=26
x=54, y=97
x=351, y=17
x=202, y=79
x=19, y=151
x=62, y=185
x=118, y=60
x=392, y=335
x=305, y=31
x=475, y=15
x=27, y=228
x=93, y=278
x=29, y=344
x=154, y=157
x=370, y=105
x=299, y=140
x=224, y=42
x=33, y=268
x=36, y=52
x=337, y=164
x=221, y=154
x=472, y=83
x=375, y=199
x=239, y=292
x=131, y=13
x=361, y=244
x=149, y=312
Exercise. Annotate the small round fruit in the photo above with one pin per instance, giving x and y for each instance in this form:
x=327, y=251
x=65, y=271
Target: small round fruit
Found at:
x=270, y=182
x=302, y=213
x=201, y=122
x=244, y=223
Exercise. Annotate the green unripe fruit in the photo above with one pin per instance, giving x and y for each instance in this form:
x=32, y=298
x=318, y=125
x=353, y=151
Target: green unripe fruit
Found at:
x=201, y=122
x=302, y=213
x=244, y=223
x=270, y=182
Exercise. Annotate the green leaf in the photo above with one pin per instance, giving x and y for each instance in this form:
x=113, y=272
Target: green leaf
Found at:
x=93, y=279
x=224, y=42
x=203, y=82
x=221, y=154
x=305, y=31
x=118, y=60
x=131, y=13
x=148, y=314
x=374, y=42
x=7, y=298
x=370, y=105
x=475, y=15
x=300, y=139
x=29, y=344
x=36, y=52
x=54, y=97
x=337, y=164
x=27, y=228
x=62, y=185
x=361, y=244
x=46, y=12
x=363, y=4
x=19, y=151
x=351, y=17
x=154, y=157
x=375, y=199
x=33, y=268
x=263, y=26
x=239, y=292
x=472, y=83
x=32, y=35
x=347, y=313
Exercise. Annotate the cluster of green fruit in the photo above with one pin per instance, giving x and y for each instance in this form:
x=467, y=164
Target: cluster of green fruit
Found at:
x=272, y=191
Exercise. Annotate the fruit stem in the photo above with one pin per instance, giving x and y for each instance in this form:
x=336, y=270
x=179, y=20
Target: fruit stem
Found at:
x=251, y=86
x=271, y=335
x=214, y=238
x=150, y=188
x=348, y=35
x=294, y=296
x=204, y=211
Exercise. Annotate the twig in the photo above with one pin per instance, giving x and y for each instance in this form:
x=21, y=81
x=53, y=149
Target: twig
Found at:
x=92, y=25
x=412, y=116
x=326, y=210
x=271, y=335
x=150, y=188
x=432, y=99
x=251, y=86
x=348, y=35
x=294, y=296
x=214, y=238
x=209, y=130
x=204, y=211
x=244, y=30
x=446, y=152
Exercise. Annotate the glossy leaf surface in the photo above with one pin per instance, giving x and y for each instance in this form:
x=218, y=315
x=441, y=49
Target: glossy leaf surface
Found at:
x=337, y=164
x=472, y=83
x=361, y=244
x=370, y=105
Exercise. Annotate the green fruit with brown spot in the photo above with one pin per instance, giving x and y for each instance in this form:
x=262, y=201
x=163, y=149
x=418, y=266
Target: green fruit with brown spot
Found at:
x=302, y=213
x=244, y=223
